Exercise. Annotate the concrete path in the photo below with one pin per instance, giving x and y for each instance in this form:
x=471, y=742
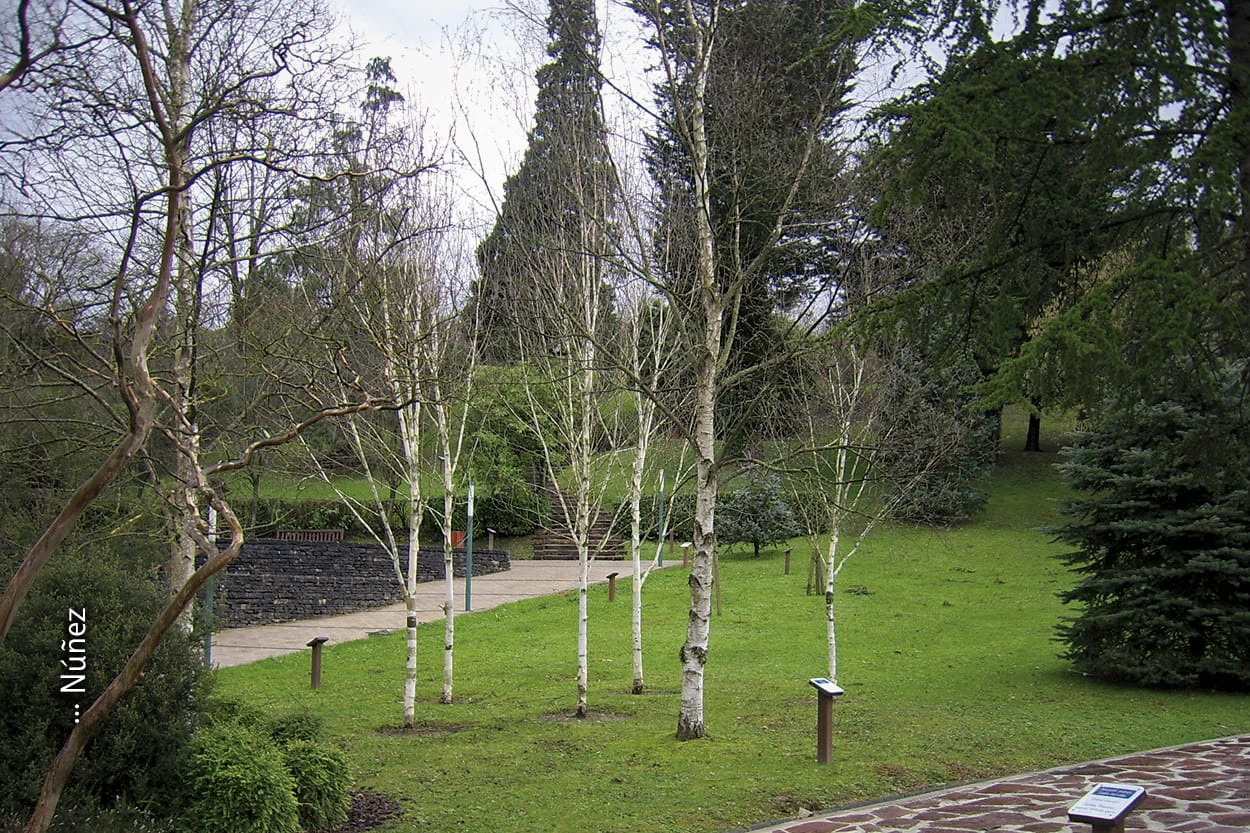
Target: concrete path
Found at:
x=1195, y=788
x=526, y=579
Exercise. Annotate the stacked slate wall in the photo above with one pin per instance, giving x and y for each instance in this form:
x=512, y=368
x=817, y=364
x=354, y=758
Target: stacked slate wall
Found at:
x=280, y=581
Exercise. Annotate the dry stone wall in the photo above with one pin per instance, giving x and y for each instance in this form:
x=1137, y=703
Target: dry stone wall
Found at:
x=280, y=581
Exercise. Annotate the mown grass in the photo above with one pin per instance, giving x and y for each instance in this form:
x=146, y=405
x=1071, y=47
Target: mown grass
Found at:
x=947, y=657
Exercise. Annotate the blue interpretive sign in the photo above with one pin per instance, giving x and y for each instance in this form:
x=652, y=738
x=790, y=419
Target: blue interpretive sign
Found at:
x=826, y=687
x=1106, y=803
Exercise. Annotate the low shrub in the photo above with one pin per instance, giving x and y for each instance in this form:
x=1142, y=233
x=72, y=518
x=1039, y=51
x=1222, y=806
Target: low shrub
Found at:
x=236, y=781
x=296, y=726
x=228, y=710
x=322, y=783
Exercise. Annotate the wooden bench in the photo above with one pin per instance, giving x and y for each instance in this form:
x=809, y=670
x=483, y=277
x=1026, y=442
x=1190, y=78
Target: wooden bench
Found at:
x=310, y=535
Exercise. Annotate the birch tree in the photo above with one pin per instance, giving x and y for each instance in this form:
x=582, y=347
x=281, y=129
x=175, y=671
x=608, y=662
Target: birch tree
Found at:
x=844, y=465
x=647, y=327
x=449, y=356
x=398, y=285
x=711, y=72
x=544, y=292
x=859, y=408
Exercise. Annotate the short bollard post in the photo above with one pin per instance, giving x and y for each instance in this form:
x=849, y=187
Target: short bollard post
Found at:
x=1105, y=807
x=612, y=586
x=685, y=554
x=490, y=538
x=826, y=691
x=316, y=644
x=787, y=560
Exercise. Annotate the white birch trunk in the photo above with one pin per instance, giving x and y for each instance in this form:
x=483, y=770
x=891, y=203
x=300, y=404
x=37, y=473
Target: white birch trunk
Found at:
x=582, y=525
x=449, y=600
x=694, y=652
x=635, y=547
x=449, y=551
x=410, y=432
x=639, y=684
x=830, y=612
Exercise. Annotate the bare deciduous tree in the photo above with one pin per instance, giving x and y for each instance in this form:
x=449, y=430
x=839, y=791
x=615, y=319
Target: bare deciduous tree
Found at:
x=110, y=143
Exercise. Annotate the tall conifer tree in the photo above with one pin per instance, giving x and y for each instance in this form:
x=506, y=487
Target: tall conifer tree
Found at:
x=541, y=220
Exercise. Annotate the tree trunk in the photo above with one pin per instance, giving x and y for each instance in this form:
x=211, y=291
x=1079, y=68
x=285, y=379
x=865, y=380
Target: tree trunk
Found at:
x=1237, y=19
x=831, y=628
x=635, y=550
x=1033, y=441
x=410, y=437
x=410, y=661
x=694, y=652
x=410, y=600
x=449, y=603
x=582, y=531
x=134, y=381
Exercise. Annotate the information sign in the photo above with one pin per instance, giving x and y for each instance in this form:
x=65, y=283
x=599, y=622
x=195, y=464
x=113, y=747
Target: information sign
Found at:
x=1106, y=803
x=825, y=686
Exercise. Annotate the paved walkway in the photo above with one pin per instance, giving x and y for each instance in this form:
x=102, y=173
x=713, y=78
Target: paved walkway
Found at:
x=1196, y=788
x=526, y=579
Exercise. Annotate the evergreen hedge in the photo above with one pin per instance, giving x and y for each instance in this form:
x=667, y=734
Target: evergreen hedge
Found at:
x=132, y=757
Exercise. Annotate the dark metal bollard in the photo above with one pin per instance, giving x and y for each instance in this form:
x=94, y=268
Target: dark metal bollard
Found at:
x=612, y=586
x=316, y=644
x=827, y=691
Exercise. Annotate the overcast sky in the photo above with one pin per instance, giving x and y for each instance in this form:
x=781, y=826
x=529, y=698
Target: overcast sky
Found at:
x=469, y=64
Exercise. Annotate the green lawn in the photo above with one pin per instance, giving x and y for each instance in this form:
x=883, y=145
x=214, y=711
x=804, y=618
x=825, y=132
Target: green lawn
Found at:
x=947, y=658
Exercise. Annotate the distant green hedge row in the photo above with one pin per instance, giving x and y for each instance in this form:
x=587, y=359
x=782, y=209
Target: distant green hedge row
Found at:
x=808, y=507
x=511, y=514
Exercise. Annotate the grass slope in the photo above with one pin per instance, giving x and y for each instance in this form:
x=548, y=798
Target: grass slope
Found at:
x=947, y=659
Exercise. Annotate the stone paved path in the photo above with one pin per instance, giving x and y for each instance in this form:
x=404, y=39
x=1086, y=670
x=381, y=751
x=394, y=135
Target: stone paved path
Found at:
x=1195, y=788
x=525, y=580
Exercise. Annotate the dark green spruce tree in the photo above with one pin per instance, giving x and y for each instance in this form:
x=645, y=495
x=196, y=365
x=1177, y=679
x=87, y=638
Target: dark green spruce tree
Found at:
x=1162, y=527
x=548, y=202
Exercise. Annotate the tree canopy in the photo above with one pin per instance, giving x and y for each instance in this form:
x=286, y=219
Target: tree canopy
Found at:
x=1044, y=166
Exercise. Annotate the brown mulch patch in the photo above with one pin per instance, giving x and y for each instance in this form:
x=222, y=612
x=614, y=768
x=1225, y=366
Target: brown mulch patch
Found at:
x=592, y=717
x=369, y=810
x=424, y=729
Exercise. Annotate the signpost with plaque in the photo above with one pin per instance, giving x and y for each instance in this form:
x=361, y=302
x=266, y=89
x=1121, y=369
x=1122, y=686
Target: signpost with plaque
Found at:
x=827, y=690
x=1106, y=805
